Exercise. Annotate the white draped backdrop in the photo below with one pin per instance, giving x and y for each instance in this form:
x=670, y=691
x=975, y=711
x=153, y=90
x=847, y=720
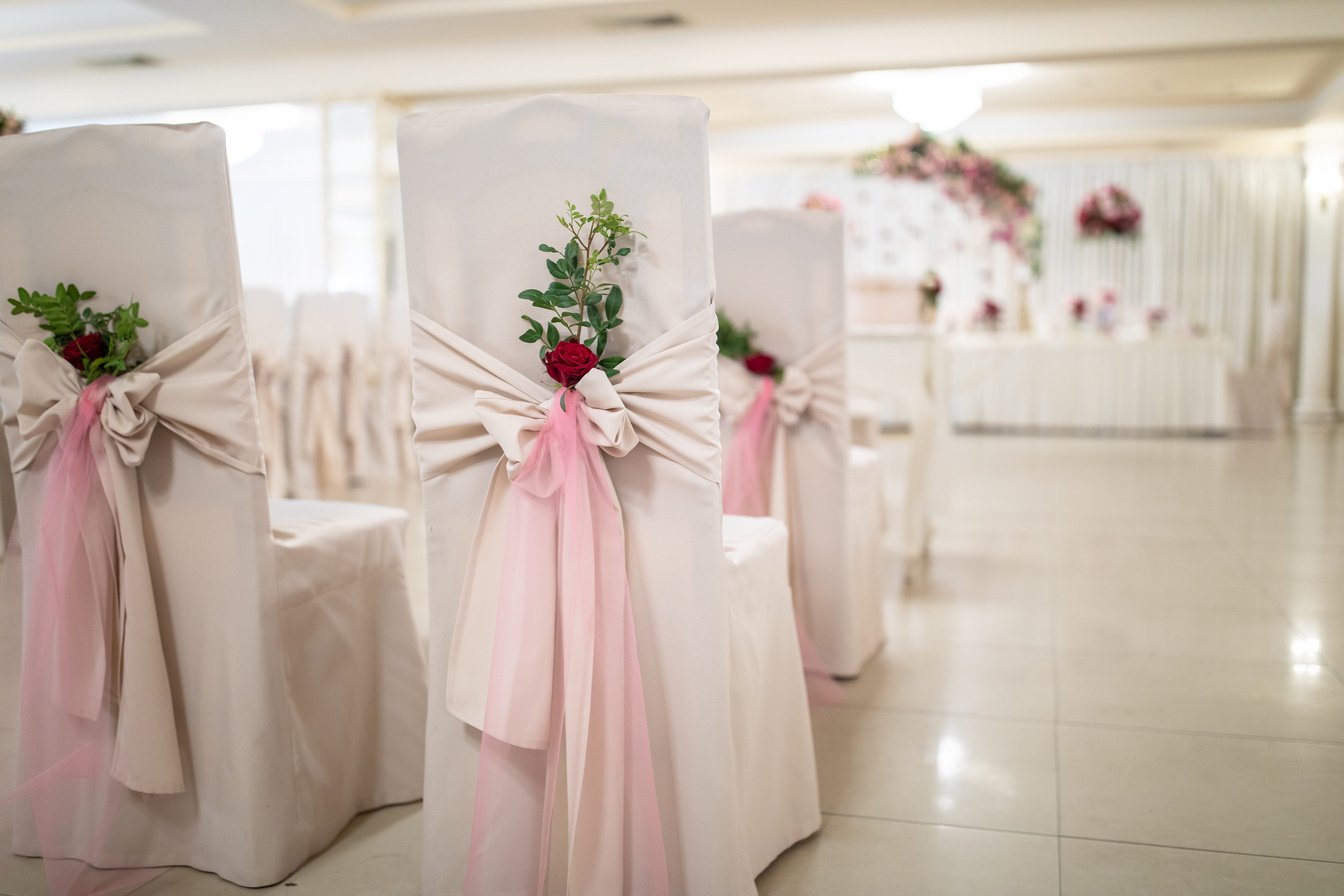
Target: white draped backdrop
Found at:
x=1222, y=235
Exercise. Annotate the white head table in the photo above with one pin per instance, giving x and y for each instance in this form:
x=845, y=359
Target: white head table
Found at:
x=1087, y=381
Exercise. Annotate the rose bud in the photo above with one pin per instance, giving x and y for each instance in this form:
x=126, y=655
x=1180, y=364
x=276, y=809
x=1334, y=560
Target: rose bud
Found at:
x=760, y=363
x=569, y=361
x=83, y=349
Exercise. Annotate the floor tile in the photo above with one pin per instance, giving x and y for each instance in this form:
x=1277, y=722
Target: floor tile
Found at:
x=930, y=621
x=378, y=852
x=1218, y=696
x=1241, y=634
x=1091, y=868
x=1276, y=798
x=996, y=681
x=865, y=857
x=975, y=772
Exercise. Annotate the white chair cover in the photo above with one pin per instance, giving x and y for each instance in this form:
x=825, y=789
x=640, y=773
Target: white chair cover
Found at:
x=269, y=337
x=865, y=421
x=329, y=431
x=293, y=676
x=772, y=731
x=391, y=446
x=480, y=189
x=782, y=272
x=1262, y=395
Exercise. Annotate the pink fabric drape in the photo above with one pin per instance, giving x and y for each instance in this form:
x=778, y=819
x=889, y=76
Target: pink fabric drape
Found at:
x=68, y=681
x=748, y=478
x=748, y=464
x=565, y=628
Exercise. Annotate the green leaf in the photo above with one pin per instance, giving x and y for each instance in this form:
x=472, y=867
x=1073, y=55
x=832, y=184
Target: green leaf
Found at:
x=601, y=344
x=552, y=336
x=612, y=361
x=530, y=336
x=624, y=251
x=615, y=300
x=545, y=248
x=530, y=294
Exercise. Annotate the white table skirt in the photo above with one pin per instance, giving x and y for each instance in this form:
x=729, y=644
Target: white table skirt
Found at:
x=1089, y=382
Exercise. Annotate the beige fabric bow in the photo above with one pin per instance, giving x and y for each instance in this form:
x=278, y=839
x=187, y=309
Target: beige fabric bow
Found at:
x=814, y=385
x=468, y=404
x=198, y=388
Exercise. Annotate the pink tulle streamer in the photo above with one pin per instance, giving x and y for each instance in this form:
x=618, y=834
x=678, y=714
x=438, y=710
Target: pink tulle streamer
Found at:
x=565, y=624
x=66, y=731
x=748, y=477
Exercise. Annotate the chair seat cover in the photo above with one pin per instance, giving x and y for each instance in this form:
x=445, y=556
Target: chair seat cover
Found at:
x=772, y=730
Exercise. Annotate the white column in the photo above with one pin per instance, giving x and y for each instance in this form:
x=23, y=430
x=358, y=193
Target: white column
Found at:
x=1320, y=267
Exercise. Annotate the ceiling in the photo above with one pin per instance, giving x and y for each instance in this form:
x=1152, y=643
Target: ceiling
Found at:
x=775, y=73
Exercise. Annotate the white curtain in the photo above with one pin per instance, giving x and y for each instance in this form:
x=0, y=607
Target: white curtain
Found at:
x=1222, y=235
x=1222, y=239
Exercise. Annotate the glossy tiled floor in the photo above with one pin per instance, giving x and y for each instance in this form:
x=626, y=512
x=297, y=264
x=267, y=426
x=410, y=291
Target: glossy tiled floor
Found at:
x=1120, y=674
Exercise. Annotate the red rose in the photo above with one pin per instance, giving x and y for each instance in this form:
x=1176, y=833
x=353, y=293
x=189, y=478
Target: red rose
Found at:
x=569, y=361
x=83, y=349
x=760, y=363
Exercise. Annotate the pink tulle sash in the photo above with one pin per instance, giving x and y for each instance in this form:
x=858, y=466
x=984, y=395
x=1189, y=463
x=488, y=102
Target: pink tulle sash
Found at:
x=748, y=480
x=67, y=684
x=565, y=627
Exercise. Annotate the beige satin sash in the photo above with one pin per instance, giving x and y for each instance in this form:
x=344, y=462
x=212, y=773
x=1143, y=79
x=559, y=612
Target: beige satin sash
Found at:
x=323, y=436
x=812, y=388
x=199, y=389
x=272, y=375
x=468, y=404
x=814, y=385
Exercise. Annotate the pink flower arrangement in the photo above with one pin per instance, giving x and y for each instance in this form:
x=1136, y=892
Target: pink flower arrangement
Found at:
x=1078, y=309
x=990, y=313
x=1109, y=211
x=982, y=185
x=821, y=201
x=1156, y=317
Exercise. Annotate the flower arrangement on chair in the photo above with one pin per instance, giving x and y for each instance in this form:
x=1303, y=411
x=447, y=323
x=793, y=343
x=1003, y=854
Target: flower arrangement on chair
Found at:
x=97, y=344
x=580, y=306
x=738, y=343
x=1109, y=211
x=10, y=123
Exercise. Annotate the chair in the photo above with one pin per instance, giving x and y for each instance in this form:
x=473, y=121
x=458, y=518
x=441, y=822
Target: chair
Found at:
x=270, y=338
x=1262, y=393
x=328, y=431
x=270, y=678
x=782, y=273
x=480, y=189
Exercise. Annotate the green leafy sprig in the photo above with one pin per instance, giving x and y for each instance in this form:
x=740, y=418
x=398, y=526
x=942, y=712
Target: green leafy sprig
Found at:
x=735, y=342
x=739, y=344
x=582, y=307
x=60, y=315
